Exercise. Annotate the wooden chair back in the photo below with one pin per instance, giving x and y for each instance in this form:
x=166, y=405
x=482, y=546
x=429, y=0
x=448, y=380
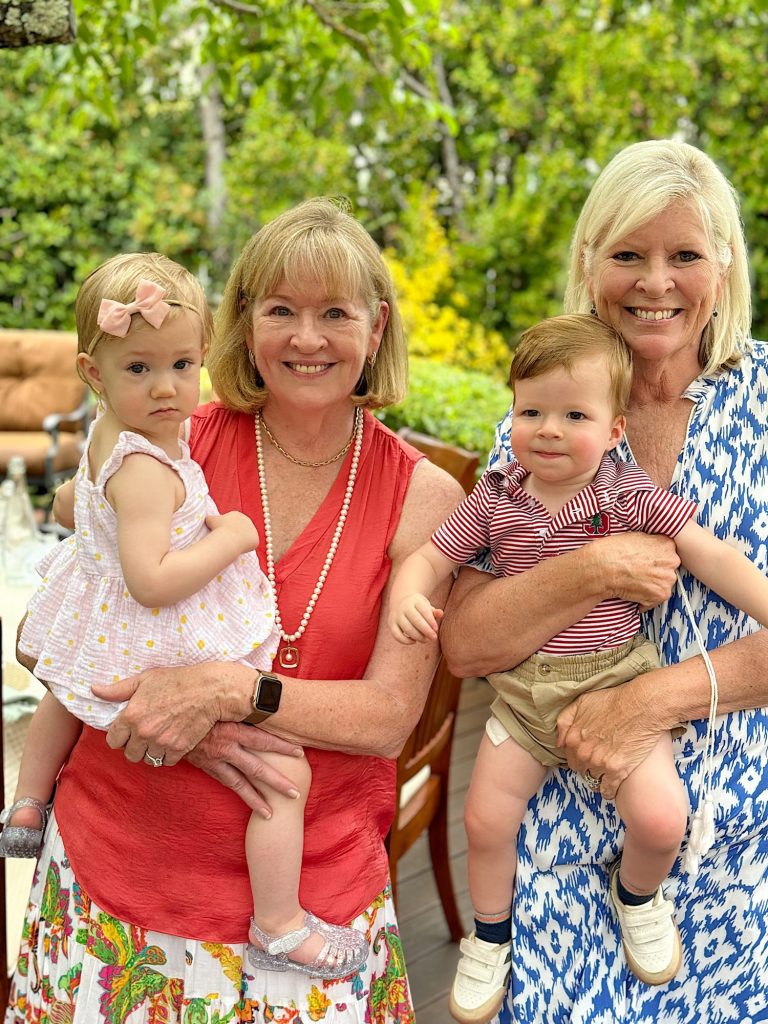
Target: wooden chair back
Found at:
x=424, y=763
x=458, y=462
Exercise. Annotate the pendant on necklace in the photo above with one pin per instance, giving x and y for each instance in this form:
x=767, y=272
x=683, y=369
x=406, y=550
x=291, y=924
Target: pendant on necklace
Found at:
x=288, y=656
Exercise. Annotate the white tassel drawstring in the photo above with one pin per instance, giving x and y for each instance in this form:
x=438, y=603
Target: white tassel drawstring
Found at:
x=702, y=834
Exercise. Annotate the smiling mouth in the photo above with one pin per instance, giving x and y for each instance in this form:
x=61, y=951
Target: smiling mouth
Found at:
x=308, y=368
x=653, y=314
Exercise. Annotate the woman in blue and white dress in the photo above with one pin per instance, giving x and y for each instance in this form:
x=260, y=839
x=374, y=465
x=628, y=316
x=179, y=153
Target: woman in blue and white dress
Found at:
x=659, y=253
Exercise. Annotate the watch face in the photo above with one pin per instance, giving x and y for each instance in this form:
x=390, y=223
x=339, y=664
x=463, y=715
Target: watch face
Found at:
x=270, y=689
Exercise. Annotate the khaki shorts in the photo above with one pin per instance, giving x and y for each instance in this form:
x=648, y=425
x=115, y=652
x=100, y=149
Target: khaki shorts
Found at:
x=531, y=696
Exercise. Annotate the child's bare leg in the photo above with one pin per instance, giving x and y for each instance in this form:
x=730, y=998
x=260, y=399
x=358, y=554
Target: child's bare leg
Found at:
x=504, y=779
x=654, y=808
x=52, y=734
x=274, y=848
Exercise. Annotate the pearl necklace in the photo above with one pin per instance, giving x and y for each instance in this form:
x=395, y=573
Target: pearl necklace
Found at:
x=288, y=655
x=300, y=462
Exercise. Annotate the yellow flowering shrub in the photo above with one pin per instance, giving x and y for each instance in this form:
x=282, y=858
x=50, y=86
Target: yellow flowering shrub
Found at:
x=206, y=390
x=422, y=270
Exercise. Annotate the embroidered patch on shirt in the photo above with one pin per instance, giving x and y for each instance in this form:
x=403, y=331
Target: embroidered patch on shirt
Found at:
x=598, y=525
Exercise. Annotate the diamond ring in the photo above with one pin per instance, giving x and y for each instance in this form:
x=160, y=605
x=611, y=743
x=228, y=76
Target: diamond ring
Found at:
x=591, y=781
x=156, y=762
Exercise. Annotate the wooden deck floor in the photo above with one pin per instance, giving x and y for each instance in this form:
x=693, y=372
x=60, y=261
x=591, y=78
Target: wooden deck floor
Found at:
x=429, y=953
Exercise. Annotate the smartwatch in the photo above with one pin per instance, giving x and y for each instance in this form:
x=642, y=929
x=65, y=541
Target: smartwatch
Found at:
x=266, y=698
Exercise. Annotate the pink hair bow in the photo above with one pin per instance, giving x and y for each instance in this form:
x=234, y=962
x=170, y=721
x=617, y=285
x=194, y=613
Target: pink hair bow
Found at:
x=115, y=317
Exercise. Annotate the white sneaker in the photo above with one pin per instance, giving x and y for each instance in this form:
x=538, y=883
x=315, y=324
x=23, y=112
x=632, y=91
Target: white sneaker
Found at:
x=649, y=935
x=481, y=980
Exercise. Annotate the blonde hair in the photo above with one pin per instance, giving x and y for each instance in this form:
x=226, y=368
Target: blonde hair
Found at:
x=118, y=278
x=562, y=341
x=637, y=185
x=319, y=242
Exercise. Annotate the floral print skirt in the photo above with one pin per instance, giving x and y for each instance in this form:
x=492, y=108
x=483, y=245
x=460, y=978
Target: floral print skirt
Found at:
x=80, y=965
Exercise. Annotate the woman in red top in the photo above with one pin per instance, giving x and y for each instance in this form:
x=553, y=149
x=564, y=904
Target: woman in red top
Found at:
x=141, y=903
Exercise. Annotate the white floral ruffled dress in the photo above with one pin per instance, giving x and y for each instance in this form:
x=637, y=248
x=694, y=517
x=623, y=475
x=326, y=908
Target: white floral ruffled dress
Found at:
x=83, y=626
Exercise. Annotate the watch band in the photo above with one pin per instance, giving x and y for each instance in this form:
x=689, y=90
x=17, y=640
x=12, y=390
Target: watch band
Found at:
x=267, y=690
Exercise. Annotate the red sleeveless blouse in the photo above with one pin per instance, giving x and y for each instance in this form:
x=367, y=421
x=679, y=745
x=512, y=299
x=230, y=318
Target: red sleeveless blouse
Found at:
x=165, y=849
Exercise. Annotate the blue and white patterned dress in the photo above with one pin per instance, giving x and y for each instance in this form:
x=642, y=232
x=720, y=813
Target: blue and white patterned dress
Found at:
x=567, y=962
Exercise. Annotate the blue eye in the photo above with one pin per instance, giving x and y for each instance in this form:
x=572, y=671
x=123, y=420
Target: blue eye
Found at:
x=576, y=415
x=182, y=364
x=531, y=413
x=136, y=369
x=626, y=256
x=335, y=313
x=280, y=311
x=686, y=256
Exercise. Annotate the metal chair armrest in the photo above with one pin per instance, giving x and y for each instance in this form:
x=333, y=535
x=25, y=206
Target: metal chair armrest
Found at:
x=51, y=425
x=53, y=420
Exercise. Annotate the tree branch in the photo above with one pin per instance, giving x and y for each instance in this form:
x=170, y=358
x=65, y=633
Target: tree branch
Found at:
x=235, y=5
x=451, y=163
x=451, y=160
x=360, y=41
x=415, y=85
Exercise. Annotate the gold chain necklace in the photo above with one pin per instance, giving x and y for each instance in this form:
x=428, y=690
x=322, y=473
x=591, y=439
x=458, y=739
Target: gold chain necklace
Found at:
x=288, y=654
x=300, y=462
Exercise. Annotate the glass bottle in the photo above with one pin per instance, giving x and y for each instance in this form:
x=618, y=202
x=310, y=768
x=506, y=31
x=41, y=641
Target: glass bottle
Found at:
x=22, y=543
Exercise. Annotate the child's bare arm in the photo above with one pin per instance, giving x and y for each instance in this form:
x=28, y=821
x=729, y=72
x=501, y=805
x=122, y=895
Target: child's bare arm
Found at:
x=409, y=606
x=724, y=569
x=145, y=494
x=64, y=505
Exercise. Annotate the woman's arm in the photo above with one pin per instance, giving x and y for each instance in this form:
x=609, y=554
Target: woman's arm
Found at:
x=173, y=709
x=155, y=575
x=612, y=731
x=548, y=598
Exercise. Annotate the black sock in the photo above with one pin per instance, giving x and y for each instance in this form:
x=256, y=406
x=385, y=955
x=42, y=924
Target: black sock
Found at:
x=497, y=932
x=631, y=899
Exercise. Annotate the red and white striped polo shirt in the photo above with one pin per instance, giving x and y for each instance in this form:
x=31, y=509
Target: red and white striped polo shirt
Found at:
x=520, y=533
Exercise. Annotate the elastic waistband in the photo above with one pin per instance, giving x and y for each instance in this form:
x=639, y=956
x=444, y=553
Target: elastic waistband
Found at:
x=578, y=667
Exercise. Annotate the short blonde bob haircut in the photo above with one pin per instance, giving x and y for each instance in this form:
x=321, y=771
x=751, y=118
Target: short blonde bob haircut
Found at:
x=315, y=243
x=118, y=278
x=562, y=341
x=638, y=184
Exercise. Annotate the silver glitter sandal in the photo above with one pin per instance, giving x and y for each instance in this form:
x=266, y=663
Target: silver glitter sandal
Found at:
x=345, y=950
x=21, y=840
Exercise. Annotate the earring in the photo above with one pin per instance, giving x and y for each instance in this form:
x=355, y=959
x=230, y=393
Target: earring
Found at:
x=371, y=360
x=592, y=310
x=257, y=378
x=715, y=313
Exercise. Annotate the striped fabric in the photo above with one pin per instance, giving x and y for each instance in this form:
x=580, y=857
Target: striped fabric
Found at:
x=520, y=533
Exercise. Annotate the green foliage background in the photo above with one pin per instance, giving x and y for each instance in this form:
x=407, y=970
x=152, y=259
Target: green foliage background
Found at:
x=466, y=134
x=448, y=402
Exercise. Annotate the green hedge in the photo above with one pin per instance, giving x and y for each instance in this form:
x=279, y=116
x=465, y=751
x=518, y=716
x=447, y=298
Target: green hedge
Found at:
x=459, y=406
